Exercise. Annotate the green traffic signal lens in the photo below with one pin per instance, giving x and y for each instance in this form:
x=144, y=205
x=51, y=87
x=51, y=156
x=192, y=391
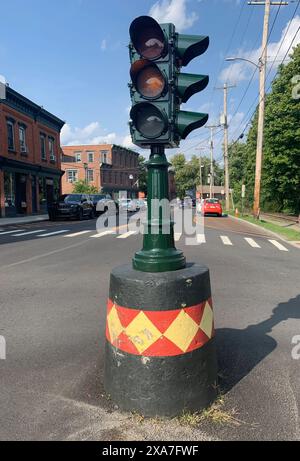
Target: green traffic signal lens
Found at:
x=147, y=37
x=150, y=82
x=149, y=120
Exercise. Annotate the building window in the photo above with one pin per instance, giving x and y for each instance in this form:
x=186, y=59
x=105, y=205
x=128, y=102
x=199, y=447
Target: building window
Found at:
x=51, y=149
x=90, y=157
x=10, y=136
x=43, y=146
x=22, y=138
x=72, y=175
x=90, y=175
x=104, y=156
x=78, y=157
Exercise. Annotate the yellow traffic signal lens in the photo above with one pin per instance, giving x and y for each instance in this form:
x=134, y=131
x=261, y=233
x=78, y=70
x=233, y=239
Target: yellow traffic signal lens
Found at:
x=150, y=82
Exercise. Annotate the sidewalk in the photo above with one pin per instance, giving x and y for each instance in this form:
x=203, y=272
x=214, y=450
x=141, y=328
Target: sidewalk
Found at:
x=23, y=220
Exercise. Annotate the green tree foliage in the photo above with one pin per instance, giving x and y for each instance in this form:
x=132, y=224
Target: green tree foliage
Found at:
x=81, y=187
x=280, y=188
x=281, y=179
x=187, y=173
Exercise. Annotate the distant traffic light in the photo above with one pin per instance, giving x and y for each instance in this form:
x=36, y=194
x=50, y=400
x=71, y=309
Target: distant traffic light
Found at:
x=157, y=87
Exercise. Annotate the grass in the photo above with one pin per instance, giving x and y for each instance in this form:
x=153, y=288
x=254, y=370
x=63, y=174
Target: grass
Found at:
x=289, y=234
x=215, y=414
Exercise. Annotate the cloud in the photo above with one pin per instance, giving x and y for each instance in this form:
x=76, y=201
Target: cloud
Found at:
x=174, y=11
x=90, y=134
x=239, y=71
x=104, y=44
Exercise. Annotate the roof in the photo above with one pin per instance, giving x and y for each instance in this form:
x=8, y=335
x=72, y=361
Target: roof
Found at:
x=24, y=105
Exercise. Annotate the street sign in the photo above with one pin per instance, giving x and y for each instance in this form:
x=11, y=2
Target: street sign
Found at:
x=157, y=88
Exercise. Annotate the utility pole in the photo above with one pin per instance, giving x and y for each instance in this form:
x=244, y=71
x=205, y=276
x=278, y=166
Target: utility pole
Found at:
x=262, y=93
x=224, y=122
x=201, y=166
x=212, y=173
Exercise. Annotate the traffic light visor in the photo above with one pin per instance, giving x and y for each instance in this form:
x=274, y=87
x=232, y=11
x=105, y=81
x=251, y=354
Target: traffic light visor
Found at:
x=148, y=120
x=148, y=38
x=147, y=79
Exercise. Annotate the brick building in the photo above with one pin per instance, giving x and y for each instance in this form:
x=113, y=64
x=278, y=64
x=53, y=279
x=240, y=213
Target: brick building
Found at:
x=108, y=167
x=29, y=156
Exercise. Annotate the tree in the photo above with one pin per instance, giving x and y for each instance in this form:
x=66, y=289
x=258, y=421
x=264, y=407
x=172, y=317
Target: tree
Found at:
x=187, y=173
x=280, y=185
x=81, y=187
x=281, y=179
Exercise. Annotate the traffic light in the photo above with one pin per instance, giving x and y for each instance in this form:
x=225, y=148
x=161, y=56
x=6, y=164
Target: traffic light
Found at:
x=157, y=87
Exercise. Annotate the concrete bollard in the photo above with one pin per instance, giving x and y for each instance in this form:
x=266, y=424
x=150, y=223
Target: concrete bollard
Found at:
x=160, y=349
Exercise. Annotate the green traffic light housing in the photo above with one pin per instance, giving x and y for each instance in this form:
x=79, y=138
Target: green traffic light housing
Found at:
x=157, y=86
x=190, y=84
x=189, y=121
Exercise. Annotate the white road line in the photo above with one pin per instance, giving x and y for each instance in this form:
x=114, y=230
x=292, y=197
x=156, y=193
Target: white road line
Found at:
x=29, y=233
x=252, y=243
x=201, y=238
x=11, y=231
x=76, y=234
x=226, y=240
x=128, y=234
x=54, y=233
x=102, y=234
x=278, y=245
x=177, y=237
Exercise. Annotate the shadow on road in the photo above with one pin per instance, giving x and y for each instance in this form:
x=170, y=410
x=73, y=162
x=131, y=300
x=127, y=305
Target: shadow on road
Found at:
x=239, y=351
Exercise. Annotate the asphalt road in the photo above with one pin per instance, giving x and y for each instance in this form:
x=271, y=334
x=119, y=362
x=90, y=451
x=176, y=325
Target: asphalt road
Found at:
x=52, y=316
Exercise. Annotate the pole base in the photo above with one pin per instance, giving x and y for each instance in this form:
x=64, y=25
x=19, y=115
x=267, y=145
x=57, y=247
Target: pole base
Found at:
x=159, y=260
x=160, y=355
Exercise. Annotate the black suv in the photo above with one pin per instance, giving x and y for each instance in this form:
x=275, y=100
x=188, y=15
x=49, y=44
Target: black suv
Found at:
x=72, y=206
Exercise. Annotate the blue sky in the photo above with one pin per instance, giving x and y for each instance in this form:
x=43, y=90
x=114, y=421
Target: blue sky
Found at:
x=71, y=57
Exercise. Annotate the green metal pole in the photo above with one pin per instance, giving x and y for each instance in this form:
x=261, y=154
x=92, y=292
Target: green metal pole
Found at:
x=159, y=253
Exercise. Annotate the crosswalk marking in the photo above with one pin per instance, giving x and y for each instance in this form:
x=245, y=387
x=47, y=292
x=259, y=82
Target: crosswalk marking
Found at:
x=278, y=245
x=54, y=233
x=11, y=231
x=252, y=243
x=201, y=238
x=76, y=234
x=29, y=233
x=177, y=237
x=226, y=240
x=102, y=234
x=126, y=235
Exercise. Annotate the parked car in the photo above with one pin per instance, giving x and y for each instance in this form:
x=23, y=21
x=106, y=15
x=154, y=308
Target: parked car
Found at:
x=212, y=206
x=103, y=203
x=76, y=206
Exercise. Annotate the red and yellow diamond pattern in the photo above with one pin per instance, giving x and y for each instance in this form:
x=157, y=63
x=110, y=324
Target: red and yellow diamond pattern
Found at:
x=159, y=333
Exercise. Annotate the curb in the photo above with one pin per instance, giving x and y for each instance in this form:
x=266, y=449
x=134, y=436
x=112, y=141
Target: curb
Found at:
x=29, y=221
x=272, y=234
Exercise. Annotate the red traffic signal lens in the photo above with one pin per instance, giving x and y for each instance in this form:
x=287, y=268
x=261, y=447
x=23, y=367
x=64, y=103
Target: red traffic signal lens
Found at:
x=147, y=37
x=148, y=120
x=150, y=82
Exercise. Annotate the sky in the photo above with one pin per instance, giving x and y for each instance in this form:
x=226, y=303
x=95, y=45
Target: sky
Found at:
x=71, y=57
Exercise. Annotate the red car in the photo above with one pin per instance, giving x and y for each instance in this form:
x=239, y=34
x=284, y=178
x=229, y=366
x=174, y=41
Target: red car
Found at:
x=212, y=206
